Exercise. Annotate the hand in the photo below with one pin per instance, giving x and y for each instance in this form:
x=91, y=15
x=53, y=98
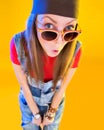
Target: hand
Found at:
x=46, y=120
x=37, y=121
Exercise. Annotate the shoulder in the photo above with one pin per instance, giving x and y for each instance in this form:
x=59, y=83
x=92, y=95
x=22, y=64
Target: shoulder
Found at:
x=15, y=44
x=17, y=37
x=77, y=54
x=16, y=40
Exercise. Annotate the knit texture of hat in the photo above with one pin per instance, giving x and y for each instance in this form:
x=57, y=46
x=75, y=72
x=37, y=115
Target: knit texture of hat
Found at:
x=67, y=8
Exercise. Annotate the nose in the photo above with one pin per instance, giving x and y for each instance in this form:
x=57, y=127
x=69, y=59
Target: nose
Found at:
x=60, y=39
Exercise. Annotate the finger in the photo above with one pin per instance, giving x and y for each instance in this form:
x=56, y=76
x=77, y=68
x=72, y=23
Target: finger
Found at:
x=47, y=120
x=43, y=123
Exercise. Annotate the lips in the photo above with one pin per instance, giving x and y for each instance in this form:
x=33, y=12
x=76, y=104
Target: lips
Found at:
x=55, y=50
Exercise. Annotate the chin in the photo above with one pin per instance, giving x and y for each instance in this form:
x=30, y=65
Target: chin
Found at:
x=53, y=55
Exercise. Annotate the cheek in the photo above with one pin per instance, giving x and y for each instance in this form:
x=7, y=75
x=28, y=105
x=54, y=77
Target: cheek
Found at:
x=39, y=36
x=42, y=42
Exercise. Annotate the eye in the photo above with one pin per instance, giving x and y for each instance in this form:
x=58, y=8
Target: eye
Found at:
x=48, y=26
x=69, y=27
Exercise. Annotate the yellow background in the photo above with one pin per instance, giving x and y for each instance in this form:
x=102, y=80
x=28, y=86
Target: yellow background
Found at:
x=84, y=108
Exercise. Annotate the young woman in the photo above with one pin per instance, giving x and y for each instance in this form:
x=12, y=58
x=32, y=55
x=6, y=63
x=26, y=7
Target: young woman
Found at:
x=45, y=57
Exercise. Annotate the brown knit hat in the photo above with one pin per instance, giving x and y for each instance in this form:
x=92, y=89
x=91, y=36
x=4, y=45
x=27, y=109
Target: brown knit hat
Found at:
x=68, y=8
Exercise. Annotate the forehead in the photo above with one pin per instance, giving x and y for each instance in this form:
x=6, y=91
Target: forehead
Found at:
x=55, y=18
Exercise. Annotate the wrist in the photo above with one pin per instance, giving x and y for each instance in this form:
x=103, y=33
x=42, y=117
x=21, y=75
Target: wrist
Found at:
x=52, y=110
x=50, y=114
x=36, y=115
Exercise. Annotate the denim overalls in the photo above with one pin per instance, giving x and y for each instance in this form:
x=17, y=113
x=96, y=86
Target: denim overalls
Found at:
x=42, y=95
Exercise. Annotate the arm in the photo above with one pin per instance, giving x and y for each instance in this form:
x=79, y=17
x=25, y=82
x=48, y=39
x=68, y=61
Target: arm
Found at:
x=59, y=94
x=21, y=77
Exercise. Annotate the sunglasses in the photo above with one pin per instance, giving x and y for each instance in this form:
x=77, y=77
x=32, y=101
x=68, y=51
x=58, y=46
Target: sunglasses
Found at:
x=68, y=36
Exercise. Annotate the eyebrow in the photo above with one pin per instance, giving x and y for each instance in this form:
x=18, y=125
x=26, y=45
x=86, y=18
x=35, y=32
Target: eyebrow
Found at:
x=50, y=19
x=70, y=22
x=55, y=21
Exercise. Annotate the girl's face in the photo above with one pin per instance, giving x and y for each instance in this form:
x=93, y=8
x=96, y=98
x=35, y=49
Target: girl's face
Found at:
x=53, y=42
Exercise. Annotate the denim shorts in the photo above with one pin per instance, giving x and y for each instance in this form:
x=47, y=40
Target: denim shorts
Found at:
x=43, y=97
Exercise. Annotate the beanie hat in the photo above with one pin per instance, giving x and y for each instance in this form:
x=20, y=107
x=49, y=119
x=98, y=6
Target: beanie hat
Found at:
x=68, y=8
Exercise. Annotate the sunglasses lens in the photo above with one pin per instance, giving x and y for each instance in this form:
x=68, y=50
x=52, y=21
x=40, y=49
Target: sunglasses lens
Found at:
x=70, y=36
x=48, y=35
